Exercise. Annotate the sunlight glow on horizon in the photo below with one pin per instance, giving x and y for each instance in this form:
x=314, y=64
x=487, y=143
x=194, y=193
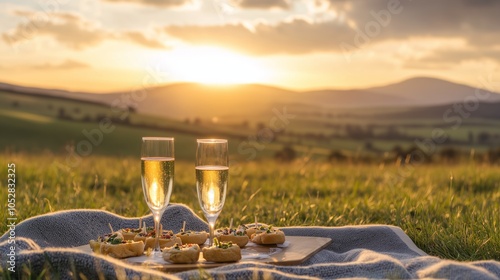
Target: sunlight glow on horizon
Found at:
x=211, y=65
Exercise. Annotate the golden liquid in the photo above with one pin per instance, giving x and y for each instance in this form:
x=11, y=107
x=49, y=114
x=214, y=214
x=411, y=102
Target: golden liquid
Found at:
x=157, y=181
x=211, y=184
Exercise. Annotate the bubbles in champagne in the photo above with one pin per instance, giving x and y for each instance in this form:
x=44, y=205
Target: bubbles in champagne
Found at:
x=157, y=181
x=211, y=184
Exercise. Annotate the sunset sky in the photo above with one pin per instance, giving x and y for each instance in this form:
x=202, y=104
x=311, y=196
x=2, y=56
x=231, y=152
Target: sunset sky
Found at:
x=108, y=45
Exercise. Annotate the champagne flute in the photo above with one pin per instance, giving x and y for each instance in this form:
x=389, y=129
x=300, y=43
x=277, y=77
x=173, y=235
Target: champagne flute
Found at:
x=212, y=169
x=157, y=173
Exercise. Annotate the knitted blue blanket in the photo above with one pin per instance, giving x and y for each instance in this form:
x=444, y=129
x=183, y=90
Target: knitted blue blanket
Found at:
x=45, y=245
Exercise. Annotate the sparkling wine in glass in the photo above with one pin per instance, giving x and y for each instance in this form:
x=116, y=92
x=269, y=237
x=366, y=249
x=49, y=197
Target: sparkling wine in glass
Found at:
x=212, y=172
x=157, y=170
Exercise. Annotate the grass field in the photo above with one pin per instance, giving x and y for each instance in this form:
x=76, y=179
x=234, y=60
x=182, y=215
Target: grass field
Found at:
x=448, y=211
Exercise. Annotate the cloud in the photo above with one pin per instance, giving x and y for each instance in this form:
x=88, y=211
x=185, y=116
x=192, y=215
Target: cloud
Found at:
x=155, y=3
x=66, y=28
x=358, y=25
x=477, y=21
x=69, y=64
x=263, y=4
x=69, y=30
x=293, y=37
x=41, y=16
x=139, y=38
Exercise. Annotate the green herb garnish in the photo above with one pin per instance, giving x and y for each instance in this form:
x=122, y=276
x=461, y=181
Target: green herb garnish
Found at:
x=114, y=239
x=222, y=245
x=269, y=230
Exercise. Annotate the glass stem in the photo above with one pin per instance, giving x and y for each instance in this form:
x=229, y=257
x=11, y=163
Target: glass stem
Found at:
x=156, y=216
x=211, y=224
x=211, y=241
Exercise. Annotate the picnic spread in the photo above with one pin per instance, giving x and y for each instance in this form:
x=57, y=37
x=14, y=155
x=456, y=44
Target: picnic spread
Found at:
x=60, y=240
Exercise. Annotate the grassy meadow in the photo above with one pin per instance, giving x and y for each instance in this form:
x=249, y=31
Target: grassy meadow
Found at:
x=449, y=211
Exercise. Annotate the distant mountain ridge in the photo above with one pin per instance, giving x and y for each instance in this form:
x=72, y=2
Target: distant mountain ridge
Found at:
x=188, y=100
x=431, y=91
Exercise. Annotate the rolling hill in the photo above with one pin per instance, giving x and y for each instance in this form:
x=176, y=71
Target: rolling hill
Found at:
x=378, y=118
x=188, y=100
x=430, y=91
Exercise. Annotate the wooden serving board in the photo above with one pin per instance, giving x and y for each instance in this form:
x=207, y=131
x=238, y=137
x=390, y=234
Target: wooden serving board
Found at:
x=296, y=250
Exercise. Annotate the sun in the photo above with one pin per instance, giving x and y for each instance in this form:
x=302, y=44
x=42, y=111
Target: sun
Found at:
x=210, y=65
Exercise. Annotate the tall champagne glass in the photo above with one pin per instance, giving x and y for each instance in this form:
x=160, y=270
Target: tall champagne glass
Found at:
x=157, y=170
x=212, y=169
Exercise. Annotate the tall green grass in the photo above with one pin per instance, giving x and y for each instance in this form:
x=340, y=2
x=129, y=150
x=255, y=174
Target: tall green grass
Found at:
x=449, y=211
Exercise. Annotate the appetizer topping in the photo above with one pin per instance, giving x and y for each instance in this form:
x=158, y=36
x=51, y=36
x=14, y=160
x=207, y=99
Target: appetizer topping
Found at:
x=103, y=238
x=252, y=226
x=132, y=230
x=231, y=231
x=115, y=238
x=142, y=234
x=269, y=230
x=184, y=246
x=222, y=245
x=166, y=234
x=189, y=232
